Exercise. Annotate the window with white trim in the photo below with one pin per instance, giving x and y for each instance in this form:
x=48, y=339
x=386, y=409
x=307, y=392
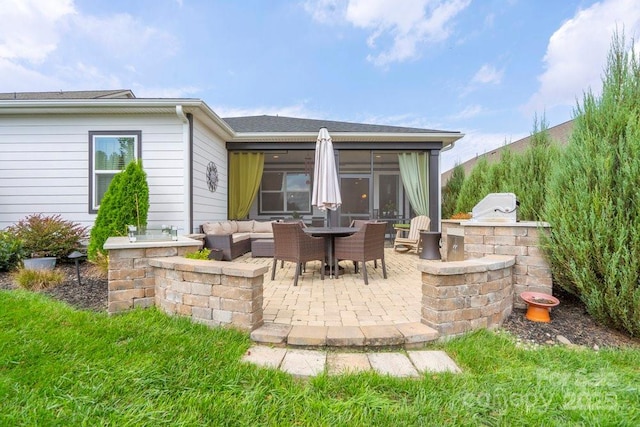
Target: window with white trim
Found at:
x=109, y=153
x=285, y=192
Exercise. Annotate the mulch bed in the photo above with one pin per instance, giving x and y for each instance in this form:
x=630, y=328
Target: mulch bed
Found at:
x=569, y=320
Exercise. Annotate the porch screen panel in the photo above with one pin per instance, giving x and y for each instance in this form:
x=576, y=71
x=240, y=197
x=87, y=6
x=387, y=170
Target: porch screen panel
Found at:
x=414, y=171
x=245, y=174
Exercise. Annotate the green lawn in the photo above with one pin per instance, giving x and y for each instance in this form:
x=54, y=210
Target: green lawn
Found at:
x=60, y=366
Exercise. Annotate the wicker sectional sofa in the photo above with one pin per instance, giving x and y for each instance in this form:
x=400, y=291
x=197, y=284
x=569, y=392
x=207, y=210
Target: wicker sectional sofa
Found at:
x=235, y=237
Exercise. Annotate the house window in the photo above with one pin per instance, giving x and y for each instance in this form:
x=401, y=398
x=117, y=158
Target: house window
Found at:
x=109, y=153
x=285, y=192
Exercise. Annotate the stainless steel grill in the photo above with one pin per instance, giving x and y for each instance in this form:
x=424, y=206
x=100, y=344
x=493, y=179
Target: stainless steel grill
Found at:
x=496, y=207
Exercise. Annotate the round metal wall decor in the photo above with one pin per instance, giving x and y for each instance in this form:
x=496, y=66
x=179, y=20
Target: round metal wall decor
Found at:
x=212, y=177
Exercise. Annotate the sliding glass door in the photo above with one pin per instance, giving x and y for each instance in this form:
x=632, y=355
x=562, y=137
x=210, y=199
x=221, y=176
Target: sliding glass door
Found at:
x=356, y=198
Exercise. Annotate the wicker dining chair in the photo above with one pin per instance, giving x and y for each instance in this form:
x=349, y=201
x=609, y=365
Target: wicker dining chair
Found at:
x=367, y=244
x=358, y=223
x=293, y=245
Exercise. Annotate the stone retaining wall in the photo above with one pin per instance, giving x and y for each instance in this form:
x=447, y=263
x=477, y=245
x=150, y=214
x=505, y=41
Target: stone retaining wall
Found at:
x=131, y=282
x=521, y=240
x=143, y=274
x=210, y=292
x=461, y=296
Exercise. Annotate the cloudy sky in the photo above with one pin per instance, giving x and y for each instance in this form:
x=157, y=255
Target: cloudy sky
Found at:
x=482, y=67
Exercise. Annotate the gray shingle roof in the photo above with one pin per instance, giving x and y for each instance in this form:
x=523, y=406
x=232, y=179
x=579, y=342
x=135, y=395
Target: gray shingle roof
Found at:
x=279, y=124
x=78, y=94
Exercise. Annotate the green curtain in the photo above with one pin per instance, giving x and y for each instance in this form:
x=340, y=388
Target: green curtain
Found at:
x=414, y=171
x=245, y=175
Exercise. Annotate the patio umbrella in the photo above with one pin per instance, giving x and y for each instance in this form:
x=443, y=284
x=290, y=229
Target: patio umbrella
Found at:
x=326, y=189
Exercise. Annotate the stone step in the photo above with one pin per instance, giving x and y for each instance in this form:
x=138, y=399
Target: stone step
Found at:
x=404, y=335
x=310, y=363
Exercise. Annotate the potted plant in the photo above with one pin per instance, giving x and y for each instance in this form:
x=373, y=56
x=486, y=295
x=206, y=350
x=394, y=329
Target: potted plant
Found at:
x=389, y=210
x=47, y=238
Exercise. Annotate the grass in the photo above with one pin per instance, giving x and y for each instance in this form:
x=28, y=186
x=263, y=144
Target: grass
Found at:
x=36, y=280
x=60, y=366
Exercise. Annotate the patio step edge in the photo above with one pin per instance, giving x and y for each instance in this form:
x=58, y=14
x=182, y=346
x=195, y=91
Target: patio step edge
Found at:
x=405, y=335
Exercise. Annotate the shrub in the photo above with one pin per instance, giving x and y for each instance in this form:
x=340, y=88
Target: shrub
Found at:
x=201, y=254
x=461, y=215
x=593, y=198
x=532, y=171
x=11, y=251
x=43, y=235
x=126, y=202
x=524, y=174
x=35, y=280
x=451, y=191
x=101, y=264
x=474, y=187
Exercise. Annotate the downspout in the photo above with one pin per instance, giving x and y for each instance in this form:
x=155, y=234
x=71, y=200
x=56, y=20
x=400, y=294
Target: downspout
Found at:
x=447, y=148
x=187, y=143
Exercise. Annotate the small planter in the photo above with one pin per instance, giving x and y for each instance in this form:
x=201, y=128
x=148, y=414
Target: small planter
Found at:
x=44, y=263
x=539, y=305
x=216, y=255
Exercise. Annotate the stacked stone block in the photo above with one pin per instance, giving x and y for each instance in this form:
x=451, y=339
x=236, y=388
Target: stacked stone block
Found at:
x=462, y=296
x=210, y=292
x=521, y=240
x=131, y=281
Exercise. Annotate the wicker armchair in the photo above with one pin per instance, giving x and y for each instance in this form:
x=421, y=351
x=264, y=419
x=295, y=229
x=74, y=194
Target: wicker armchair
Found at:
x=358, y=223
x=367, y=244
x=293, y=245
x=412, y=240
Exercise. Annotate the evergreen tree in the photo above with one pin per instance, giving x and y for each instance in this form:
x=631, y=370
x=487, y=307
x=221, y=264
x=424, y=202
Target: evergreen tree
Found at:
x=126, y=202
x=532, y=170
x=451, y=191
x=593, y=198
x=474, y=187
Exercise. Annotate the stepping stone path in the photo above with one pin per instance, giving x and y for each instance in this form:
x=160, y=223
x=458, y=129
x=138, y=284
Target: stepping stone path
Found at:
x=309, y=363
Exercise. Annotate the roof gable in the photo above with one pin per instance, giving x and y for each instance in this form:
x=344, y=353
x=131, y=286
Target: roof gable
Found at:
x=78, y=94
x=280, y=124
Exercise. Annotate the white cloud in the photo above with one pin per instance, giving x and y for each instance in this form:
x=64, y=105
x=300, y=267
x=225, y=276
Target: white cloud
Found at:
x=401, y=27
x=88, y=75
x=468, y=113
x=577, y=52
x=42, y=43
x=142, y=91
x=123, y=36
x=488, y=74
x=474, y=144
x=30, y=29
x=326, y=11
x=18, y=78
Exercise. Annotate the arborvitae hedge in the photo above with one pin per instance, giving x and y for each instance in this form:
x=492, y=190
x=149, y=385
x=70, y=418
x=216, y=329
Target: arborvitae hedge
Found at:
x=451, y=191
x=473, y=185
x=524, y=174
x=532, y=170
x=594, y=198
x=126, y=202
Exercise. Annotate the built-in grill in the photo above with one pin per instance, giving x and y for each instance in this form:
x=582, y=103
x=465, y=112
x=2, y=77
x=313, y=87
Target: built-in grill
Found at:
x=496, y=207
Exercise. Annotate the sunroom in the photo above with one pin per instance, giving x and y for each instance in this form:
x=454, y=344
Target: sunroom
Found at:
x=385, y=172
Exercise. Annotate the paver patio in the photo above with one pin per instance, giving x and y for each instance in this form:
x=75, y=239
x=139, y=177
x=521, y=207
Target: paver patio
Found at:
x=345, y=301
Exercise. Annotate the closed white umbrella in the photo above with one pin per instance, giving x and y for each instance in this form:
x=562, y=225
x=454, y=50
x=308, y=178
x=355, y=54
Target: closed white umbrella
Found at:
x=326, y=189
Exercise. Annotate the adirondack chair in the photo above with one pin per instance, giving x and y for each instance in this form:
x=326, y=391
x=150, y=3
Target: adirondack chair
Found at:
x=411, y=241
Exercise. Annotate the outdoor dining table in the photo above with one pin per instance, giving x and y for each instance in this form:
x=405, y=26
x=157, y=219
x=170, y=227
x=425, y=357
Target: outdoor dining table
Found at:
x=329, y=234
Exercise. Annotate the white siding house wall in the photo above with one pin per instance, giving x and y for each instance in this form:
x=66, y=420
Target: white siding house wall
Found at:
x=44, y=165
x=208, y=147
